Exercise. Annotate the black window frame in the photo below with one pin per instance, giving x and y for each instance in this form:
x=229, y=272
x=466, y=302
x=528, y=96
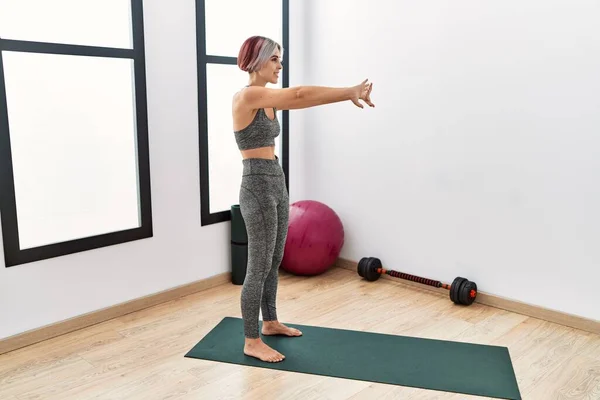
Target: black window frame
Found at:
x=13, y=255
x=208, y=218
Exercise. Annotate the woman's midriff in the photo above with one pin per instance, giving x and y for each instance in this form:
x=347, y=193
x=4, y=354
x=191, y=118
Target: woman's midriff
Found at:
x=262, y=152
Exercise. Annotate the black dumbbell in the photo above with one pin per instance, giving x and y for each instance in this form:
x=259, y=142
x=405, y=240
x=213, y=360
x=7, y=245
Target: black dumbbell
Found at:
x=462, y=291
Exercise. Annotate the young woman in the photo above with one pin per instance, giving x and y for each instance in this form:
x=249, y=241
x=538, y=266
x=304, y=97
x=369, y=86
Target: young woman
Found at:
x=263, y=198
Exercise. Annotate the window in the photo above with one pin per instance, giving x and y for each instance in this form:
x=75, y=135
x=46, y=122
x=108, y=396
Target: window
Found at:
x=74, y=162
x=222, y=27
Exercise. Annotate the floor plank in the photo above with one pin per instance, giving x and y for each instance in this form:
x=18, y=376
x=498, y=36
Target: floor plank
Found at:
x=140, y=355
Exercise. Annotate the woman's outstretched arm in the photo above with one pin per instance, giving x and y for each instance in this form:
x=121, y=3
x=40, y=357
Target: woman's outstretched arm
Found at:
x=298, y=97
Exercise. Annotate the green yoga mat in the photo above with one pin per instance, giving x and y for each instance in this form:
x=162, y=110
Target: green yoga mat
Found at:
x=398, y=360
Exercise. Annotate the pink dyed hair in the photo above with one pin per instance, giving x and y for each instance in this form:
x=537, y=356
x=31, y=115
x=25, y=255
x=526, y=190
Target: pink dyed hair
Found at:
x=255, y=52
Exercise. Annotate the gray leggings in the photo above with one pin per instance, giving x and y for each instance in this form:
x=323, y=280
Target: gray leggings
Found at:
x=264, y=204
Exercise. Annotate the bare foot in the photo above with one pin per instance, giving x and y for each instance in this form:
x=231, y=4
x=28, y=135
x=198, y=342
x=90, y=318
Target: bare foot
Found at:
x=258, y=349
x=277, y=328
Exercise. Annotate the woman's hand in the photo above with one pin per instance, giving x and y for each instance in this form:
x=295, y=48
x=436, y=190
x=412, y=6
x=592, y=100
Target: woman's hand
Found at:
x=362, y=92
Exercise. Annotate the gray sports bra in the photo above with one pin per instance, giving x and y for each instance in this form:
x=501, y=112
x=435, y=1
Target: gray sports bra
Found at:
x=261, y=132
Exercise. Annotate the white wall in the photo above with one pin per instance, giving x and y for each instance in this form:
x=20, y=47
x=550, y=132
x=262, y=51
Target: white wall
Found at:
x=481, y=156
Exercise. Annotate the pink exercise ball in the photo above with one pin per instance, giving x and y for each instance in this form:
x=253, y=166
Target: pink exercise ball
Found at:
x=314, y=240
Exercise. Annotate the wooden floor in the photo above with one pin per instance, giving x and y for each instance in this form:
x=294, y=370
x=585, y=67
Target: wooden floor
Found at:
x=140, y=356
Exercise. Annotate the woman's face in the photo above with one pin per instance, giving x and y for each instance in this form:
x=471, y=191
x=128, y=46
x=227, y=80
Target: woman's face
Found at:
x=270, y=71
